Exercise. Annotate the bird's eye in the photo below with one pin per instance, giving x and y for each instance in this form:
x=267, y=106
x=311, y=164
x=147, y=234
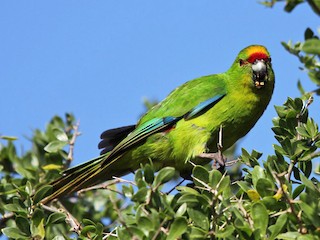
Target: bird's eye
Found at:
x=241, y=62
x=269, y=60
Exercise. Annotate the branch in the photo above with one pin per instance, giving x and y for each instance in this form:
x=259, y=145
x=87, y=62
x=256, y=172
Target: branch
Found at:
x=70, y=219
x=76, y=133
x=107, y=184
x=290, y=201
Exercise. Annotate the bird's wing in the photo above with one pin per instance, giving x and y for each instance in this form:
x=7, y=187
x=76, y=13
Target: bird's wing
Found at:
x=158, y=125
x=140, y=134
x=191, y=95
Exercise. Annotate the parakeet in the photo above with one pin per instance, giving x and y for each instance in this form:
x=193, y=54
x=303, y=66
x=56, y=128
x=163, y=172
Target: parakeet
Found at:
x=184, y=127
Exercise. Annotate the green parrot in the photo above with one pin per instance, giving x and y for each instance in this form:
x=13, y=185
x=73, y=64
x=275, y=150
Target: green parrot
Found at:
x=184, y=128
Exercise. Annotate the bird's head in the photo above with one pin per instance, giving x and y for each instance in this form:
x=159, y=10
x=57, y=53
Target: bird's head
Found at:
x=256, y=61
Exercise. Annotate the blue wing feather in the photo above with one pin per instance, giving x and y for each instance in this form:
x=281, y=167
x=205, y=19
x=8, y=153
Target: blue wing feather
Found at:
x=203, y=106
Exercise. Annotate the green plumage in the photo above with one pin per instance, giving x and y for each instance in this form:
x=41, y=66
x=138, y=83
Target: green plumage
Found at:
x=184, y=125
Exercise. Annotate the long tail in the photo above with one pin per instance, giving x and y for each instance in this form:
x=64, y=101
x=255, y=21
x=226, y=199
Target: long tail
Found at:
x=92, y=172
x=79, y=177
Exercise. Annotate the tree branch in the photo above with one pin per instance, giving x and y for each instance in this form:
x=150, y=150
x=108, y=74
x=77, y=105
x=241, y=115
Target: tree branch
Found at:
x=76, y=133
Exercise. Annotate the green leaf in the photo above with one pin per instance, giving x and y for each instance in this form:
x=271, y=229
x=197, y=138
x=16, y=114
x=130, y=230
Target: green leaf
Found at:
x=42, y=193
x=145, y=224
x=87, y=221
x=265, y=187
x=257, y=173
x=23, y=224
x=55, y=146
x=244, y=185
x=198, y=233
x=289, y=235
x=297, y=191
x=187, y=190
x=9, y=138
x=37, y=228
x=308, y=33
x=28, y=188
x=177, y=228
x=250, y=160
x=52, y=167
x=15, y=207
x=273, y=204
x=290, y=5
x=141, y=195
x=13, y=232
x=201, y=175
x=260, y=218
x=243, y=226
x=189, y=199
x=225, y=232
x=88, y=229
x=123, y=234
x=312, y=46
x=127, y=190
x=214, y=178
x=130, y=233
x=311, y=213
x=60, y=134
x=164, y=175
x=56, y=218
x=138, y=175
x=278, y=226
x=253, y=195
x=224, y=184
x=37, y=216
x=148, y=174
x=181, y=210
x=199, y=218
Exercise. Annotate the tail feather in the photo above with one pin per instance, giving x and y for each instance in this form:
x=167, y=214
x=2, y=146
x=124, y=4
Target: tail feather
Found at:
x=79, y=177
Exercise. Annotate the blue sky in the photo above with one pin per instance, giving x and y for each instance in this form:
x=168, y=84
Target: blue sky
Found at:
x=100, y=59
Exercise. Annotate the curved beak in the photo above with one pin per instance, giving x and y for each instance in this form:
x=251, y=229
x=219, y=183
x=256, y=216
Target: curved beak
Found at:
x=260, y=73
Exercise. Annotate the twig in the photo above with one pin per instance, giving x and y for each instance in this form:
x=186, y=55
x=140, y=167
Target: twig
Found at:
x=289, y=201
x=70, y=219
x=290, y=169
x=232, y=162
x=106, y=185
x=121, y=180
x=110, y=234
x=50, y=208
x=218, y=157
x=76, y=133
x=245, y=213
x=160, y=229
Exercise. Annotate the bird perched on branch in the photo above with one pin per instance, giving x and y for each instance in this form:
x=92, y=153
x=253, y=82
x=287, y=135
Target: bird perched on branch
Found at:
x=184, y=127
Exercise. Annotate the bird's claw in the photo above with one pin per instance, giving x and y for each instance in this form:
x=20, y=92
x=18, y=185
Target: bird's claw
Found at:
x=217, y=157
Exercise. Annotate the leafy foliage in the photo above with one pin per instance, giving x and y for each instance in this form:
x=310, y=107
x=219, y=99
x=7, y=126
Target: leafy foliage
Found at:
x=277, y=197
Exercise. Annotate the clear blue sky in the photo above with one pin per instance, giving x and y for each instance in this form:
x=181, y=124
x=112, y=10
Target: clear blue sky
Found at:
x=99, y=59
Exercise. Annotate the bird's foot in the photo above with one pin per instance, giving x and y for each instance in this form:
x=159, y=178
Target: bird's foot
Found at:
x=217, y=157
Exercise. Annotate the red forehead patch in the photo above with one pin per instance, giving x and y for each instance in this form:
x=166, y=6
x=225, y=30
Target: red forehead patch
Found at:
x=257, y=55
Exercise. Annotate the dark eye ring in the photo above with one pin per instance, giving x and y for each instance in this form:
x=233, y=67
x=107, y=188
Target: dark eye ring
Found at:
x=242, y=62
